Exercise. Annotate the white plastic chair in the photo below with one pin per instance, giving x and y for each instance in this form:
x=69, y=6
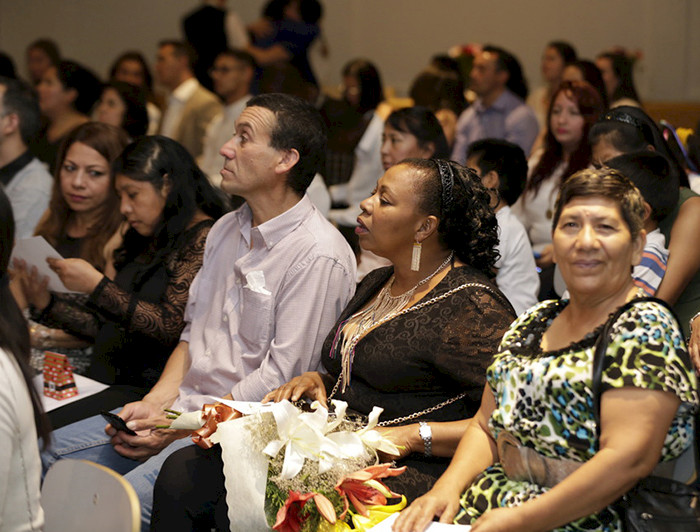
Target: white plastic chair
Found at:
x=79, y=495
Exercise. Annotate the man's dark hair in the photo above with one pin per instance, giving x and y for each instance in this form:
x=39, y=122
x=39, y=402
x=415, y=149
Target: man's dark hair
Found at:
x=181, y=49
x=507, y=160
x=20, y=98
x=239, y=55
x=300, y=127
x=508, y=62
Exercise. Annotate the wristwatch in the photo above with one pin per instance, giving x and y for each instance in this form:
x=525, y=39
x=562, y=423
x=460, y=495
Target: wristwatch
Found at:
x=426, y=434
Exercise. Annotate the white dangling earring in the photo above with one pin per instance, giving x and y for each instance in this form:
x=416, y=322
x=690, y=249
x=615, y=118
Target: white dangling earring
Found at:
x=415, y=256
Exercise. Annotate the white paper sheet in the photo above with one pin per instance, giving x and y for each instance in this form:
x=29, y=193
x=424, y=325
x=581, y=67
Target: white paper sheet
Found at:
x=34, y=251
x=86, y=387
x=385, y=526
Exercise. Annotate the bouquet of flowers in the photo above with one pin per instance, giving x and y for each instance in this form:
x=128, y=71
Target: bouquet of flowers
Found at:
x=322, y=468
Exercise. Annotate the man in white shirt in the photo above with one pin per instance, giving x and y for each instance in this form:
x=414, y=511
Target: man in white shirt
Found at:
x=275, y=277
x=502, y=167
x=190, y=107
x=232, y=75
x=27, y=182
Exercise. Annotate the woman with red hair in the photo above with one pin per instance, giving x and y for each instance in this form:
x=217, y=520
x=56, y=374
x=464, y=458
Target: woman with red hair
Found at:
x=574, y=108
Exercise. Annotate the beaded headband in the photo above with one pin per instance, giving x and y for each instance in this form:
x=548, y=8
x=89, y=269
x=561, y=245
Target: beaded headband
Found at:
x=447, y=179
x=618, y=116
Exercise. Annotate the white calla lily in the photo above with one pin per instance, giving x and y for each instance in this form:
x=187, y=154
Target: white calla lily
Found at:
x=340, y=409
x=188, y=421
x=301, y=434
x=373, y=439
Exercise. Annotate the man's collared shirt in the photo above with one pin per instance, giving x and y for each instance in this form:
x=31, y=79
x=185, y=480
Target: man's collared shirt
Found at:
x=28, y=186
x=176, y=105
x=509, y=118
x=263, y=303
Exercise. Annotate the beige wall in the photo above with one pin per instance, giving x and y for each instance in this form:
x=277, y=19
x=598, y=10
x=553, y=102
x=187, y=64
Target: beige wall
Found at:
x=398, y=35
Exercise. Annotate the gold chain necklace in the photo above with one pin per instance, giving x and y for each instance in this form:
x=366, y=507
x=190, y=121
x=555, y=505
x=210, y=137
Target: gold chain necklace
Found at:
x=383, y=308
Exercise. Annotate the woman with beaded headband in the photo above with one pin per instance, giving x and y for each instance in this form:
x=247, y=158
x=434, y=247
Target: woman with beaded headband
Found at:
x=415, y=340
x=626, y=129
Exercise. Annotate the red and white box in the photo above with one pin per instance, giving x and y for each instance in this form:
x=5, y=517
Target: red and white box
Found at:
x=58, y=377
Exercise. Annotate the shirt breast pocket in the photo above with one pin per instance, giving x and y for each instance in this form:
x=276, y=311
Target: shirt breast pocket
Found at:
x=255, y=319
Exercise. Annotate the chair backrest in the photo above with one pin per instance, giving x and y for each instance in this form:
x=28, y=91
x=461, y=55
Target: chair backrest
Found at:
x=79, y=495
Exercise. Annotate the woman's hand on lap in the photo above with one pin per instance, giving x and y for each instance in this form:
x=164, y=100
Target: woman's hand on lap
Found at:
x=500, y=520
x=309, y=384
x=441, y=502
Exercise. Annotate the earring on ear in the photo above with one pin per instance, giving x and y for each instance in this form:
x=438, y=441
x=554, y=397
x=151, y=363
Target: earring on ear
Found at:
x=415, y=256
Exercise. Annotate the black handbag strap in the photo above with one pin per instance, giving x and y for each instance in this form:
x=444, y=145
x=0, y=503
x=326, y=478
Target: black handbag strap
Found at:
x=601, y=346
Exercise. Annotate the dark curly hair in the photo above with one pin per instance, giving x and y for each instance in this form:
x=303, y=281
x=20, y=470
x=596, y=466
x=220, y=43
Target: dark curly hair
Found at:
x=467, y=224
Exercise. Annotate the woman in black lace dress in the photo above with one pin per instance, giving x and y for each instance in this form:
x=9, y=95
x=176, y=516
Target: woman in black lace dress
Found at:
x=136, y=319
x=415, y=340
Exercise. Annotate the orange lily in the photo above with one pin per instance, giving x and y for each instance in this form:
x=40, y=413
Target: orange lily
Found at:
x=362, y=487
x=289, y=516
x=212, y=415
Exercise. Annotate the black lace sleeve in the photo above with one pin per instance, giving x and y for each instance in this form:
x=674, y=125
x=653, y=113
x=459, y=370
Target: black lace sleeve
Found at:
x=70, y=313
x=162, y=320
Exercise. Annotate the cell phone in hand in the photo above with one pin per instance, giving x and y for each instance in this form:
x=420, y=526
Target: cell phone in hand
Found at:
x=117, y=422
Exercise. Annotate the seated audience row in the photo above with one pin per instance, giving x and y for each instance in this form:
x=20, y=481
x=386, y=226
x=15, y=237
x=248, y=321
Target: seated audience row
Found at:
x=395, y=330
x=275, y=276
x=177, y=307
x=135, y=320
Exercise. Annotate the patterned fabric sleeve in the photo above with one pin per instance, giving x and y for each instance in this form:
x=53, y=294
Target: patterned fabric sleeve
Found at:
x=647, y=350
x=83, y=316
x=70, y=313
x=163, y=320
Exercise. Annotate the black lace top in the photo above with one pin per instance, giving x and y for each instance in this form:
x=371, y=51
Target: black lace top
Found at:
x=135, y=320
x=422, y=358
